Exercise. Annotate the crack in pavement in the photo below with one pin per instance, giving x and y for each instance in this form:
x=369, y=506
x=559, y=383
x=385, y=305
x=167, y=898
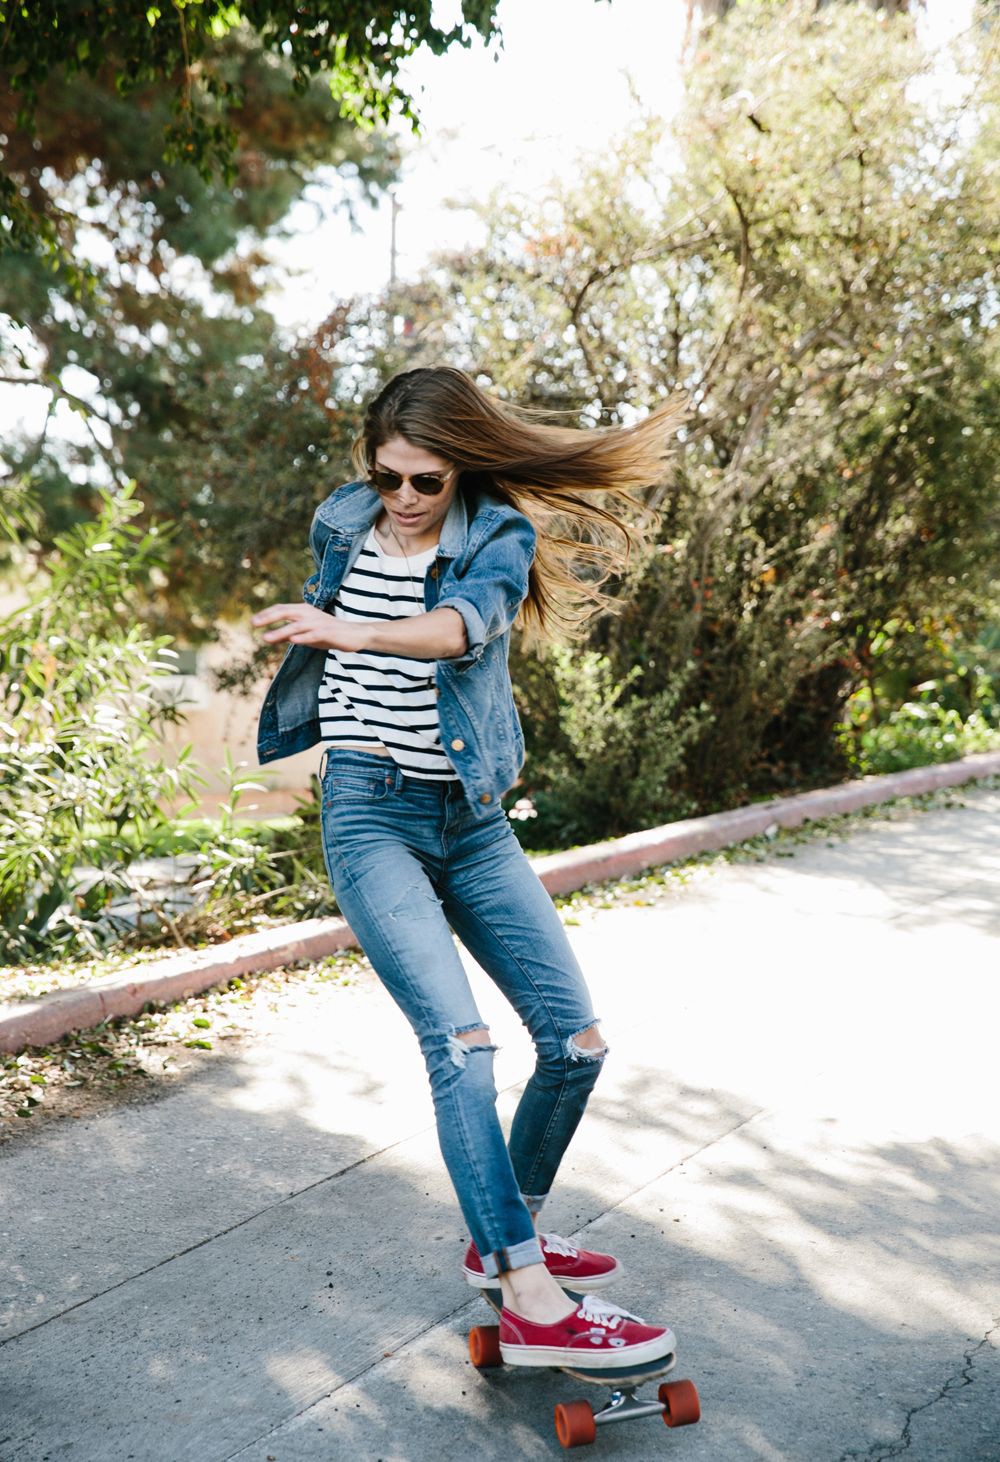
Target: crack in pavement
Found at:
x=955, y=1382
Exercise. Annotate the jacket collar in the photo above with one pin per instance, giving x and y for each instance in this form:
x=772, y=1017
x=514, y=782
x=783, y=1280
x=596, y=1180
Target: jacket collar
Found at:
x=352, y=509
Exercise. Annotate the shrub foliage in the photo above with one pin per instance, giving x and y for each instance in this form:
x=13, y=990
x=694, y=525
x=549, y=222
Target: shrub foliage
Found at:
x=82, y=783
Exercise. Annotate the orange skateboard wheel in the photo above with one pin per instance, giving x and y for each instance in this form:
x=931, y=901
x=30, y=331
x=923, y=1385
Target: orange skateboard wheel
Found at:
x=575, y=1425
x=484, y=1346
x=680, y=1402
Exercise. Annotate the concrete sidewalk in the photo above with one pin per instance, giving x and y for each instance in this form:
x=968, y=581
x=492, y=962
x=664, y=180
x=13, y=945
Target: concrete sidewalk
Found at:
x=795, y=1149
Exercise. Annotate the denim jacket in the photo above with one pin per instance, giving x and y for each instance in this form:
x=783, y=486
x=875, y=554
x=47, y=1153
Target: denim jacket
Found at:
x=480, y=570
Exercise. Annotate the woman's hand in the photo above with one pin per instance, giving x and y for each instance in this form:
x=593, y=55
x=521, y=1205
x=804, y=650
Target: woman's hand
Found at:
x=307, y=625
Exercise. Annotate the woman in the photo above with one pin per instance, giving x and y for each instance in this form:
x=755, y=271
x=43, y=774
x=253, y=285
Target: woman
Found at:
x=467, y=513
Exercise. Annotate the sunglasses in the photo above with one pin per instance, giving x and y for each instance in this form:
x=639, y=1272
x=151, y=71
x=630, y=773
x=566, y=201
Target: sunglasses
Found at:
x=429, y=484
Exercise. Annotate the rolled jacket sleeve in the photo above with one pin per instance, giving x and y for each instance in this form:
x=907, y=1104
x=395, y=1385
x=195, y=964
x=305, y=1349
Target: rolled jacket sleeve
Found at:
x=491, y=587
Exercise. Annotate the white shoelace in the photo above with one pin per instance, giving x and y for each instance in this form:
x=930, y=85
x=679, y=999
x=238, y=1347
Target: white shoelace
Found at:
x=602, y=1312
x=557, y=1245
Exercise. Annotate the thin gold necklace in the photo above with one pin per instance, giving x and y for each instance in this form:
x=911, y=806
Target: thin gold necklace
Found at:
x=418, y=600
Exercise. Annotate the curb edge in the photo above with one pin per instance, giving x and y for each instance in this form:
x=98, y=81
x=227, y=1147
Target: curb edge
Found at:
x=44, y=1020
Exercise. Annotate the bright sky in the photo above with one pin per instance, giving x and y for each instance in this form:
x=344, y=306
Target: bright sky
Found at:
x=560, y=87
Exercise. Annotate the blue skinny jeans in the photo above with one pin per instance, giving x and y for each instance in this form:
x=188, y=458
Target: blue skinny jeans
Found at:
x=407, y=860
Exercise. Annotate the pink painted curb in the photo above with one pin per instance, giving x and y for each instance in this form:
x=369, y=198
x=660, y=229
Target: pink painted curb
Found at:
x=38, y=1022
x=619, y=857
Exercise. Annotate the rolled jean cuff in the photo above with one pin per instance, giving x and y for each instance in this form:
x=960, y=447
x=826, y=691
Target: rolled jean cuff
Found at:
x=534, y=1202
x=518, y=1256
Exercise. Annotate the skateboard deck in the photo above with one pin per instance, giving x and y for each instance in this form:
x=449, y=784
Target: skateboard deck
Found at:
x=576, y=1422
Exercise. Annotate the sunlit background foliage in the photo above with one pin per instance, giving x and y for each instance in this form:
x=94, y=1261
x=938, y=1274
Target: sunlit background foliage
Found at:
x=808, y=251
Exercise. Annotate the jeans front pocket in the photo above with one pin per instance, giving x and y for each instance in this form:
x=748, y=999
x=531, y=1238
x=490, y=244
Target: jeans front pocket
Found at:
x=353, y=785
x=351, y=795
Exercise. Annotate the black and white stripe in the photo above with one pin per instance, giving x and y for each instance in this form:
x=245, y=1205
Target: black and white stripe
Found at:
x=376, y=698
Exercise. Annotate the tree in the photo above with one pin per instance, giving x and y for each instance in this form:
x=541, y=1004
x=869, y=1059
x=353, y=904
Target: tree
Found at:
x=150, y=275
x=701, y=11
x=177, y=371
x=173, y=48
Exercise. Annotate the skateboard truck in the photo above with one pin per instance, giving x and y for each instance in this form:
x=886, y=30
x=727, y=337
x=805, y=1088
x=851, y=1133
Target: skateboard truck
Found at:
x=624, y=1405
x=576, y=1422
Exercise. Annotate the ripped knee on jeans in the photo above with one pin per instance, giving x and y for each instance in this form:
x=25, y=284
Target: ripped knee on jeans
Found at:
x=460, y=1043
x=586, y=1045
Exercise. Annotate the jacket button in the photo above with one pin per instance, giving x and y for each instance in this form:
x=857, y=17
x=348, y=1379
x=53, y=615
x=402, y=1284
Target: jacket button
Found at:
x=485, y=798
x=433, y=570
x=458, y=744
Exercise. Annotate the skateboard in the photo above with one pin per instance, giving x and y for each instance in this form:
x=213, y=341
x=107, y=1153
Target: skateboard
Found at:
x=577, y=1421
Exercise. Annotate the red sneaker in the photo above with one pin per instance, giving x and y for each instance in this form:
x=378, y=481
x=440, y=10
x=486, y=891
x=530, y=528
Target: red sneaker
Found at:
x=579, y=1269
x=597, y=1336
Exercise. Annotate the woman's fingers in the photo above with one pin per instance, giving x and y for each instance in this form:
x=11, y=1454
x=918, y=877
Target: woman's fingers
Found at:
x=296, y=617
x=304, y=624
x=276, y=612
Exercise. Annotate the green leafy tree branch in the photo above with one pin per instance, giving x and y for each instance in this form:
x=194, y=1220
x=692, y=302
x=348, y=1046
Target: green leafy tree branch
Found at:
x=174, y=46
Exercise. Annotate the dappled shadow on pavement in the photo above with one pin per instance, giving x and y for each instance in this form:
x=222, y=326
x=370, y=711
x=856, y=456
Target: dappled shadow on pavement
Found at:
x=939, y=868
x=820, y=1290
x=785, y=1258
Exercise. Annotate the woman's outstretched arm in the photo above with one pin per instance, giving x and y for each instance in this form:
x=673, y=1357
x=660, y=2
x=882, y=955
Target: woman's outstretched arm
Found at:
x=437, y=635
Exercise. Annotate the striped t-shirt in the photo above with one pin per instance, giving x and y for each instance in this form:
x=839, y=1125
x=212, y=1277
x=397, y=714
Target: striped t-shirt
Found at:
x=371, y=696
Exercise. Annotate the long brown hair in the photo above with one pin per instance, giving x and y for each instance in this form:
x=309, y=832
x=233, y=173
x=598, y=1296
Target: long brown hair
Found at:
x=540, y=470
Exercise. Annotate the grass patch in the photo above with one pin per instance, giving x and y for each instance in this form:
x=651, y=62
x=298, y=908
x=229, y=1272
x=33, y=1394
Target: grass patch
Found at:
x=122, y=1054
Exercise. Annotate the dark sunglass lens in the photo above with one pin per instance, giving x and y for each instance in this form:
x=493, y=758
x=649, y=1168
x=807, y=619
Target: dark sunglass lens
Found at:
x=427, y=483
x=383, y=481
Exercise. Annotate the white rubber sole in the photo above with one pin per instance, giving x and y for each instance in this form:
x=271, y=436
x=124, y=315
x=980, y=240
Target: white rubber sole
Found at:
x=578, y=1286
x=587, y=1358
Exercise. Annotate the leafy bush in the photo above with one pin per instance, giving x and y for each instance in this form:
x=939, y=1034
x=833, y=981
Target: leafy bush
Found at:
x=896, y=720
x=87, y=796
x=603, y=759
x=79, y=716
x=916, y=734
x=230, y=874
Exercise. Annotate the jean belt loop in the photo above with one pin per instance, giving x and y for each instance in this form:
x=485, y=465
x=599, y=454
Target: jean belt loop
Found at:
x=322, y=763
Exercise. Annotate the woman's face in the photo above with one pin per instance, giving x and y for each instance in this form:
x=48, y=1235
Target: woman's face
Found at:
x=415, y=517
